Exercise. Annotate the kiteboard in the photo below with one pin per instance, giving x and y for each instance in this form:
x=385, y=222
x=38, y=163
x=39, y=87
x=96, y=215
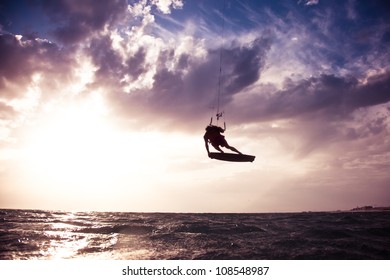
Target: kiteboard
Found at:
x=232, y=157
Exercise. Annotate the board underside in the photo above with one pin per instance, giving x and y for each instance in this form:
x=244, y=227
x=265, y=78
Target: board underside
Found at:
x=232, y=157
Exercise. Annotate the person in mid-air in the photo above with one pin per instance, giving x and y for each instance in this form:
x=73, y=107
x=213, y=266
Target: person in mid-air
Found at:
x=213, y=136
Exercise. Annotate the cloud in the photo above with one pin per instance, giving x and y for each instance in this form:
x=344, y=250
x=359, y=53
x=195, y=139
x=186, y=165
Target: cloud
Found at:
x=171, y=77
x=6, y=111
x=74, y=21
x=23, y=57
x=177, y=76
x=375, y=91
x=183, y=80
x=165, y=5
x=325, y=113
x=310, y=2
x=242, y=65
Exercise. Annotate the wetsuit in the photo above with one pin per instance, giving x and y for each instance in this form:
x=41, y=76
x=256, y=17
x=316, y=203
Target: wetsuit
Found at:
x=213, y=134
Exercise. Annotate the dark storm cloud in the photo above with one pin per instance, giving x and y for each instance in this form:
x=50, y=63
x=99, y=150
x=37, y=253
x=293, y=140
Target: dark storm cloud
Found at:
x=20, y=58
x=344, y=94
x=326, y=96
x=242, y=65
x=75, y=20
x=63, y=21
x=376, y=91
x=111, y=65
x=175, y=89
x=107, y=60
x=135, y=63
x=14, y=59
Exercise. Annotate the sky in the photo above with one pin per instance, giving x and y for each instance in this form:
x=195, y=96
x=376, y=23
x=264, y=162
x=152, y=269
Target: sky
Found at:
x=103, y=104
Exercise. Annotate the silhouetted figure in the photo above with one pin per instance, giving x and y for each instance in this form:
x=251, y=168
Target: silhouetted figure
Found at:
x=213, y=135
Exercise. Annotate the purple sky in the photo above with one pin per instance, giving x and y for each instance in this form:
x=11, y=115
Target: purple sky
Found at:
x=103, y=105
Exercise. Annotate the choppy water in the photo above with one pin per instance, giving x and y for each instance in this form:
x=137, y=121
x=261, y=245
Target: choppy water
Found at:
x=31, y=234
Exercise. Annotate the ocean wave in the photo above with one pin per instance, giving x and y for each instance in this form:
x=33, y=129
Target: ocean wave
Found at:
x=123, y=229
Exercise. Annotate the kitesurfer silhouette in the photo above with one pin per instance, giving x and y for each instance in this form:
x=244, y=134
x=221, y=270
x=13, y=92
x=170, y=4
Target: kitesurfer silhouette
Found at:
x=213, y=136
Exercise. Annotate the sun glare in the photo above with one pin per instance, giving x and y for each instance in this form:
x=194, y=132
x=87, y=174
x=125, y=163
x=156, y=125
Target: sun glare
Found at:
x=77, y=151
x=78, y=146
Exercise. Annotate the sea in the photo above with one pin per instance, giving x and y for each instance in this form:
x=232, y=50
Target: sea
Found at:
x=36, y=234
